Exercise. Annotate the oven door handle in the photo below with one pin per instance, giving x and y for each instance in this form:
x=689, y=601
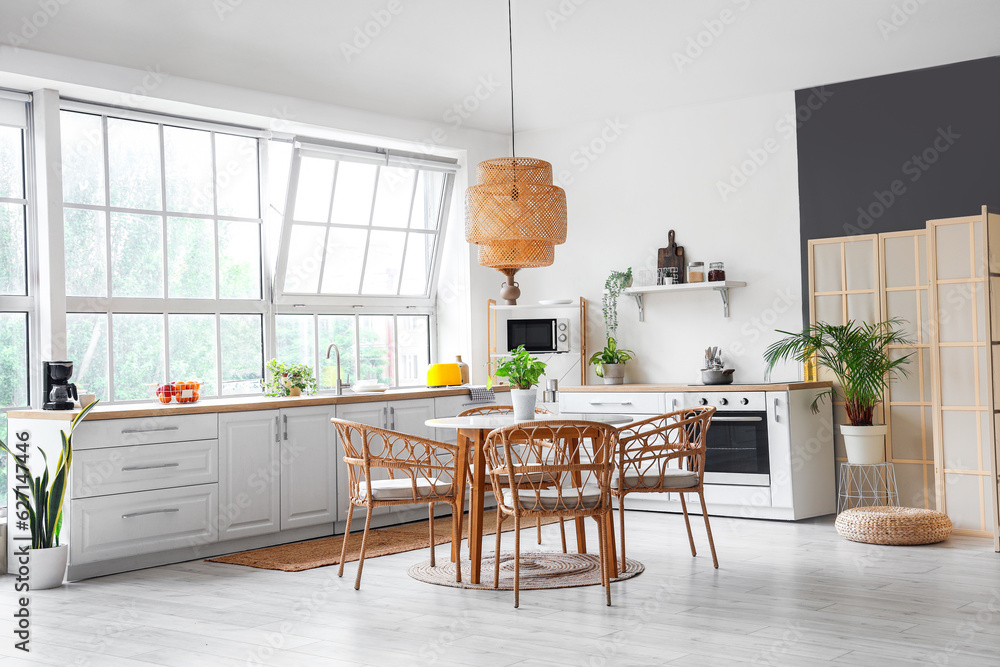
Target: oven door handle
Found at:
x=737, y=419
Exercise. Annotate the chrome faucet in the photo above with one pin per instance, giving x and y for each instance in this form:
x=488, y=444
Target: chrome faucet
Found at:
x=333, y=346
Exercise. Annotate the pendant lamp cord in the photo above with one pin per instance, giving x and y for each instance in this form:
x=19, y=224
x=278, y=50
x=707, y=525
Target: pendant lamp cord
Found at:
x=510, y=46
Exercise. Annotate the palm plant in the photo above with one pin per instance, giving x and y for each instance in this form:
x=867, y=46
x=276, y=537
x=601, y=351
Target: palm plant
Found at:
x=856, y=353
x=45, y=506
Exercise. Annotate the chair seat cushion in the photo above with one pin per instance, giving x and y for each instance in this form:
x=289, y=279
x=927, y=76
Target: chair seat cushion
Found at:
x=893, y=525
x=587, y=497
x=673, y=478
x=401, y=488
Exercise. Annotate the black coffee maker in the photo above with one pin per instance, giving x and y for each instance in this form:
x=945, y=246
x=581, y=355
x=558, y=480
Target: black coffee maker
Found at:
x=59, y=392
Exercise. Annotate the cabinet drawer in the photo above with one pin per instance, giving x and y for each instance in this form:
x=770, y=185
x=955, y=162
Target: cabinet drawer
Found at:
x=145, y=430
x=102, y=472
x=627, y=403
x=131, y=524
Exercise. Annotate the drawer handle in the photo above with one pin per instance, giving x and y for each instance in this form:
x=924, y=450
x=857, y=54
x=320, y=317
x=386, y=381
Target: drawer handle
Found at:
x=152, y=467
x=611, y=402
x=135, y=514
x=150, y=430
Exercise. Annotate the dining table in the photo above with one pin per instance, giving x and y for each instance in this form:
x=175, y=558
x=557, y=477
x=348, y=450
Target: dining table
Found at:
x=472, y=432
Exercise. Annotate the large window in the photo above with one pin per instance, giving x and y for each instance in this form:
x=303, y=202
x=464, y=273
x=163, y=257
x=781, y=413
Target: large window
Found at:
x=362, y=224
x=163, y=255
x=16, y=305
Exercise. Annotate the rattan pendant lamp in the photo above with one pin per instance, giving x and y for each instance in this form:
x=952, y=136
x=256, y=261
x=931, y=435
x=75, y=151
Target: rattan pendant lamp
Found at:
x=515, y=215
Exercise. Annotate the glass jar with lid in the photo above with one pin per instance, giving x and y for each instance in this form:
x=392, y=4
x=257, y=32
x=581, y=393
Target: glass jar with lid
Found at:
x=716, y=272
x=696, y=272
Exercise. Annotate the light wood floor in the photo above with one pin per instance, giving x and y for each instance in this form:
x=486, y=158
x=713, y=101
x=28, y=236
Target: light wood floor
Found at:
x=786, y=594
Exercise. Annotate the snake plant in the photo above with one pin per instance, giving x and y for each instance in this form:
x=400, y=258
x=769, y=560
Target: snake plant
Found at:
x=45, y=506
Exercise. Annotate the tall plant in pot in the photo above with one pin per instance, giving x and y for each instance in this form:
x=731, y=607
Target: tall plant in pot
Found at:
x=43, y=509
x=523, y=371
x=858, y=356
x=611, y=360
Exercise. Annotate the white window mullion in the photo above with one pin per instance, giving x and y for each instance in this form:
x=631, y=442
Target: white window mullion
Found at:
x=218, y=355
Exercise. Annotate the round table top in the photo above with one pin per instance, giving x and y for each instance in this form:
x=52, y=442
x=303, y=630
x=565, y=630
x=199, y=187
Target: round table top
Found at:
x=484, y=422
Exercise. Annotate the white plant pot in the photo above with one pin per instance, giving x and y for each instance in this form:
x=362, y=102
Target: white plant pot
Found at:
x=524, y=403
x=47, y=567
x=613, y=373
x=864, y=444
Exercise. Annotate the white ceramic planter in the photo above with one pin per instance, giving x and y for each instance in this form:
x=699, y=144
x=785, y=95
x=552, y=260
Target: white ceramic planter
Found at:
x=613, y=373
x=524, y=403
x=47, y=567
x=864, y=444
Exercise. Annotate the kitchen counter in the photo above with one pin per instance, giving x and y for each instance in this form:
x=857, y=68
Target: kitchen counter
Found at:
x=238, y=404
x=676, y=388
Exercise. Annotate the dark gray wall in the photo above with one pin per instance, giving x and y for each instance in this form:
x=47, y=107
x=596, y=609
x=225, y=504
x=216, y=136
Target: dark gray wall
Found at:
x=891, y=152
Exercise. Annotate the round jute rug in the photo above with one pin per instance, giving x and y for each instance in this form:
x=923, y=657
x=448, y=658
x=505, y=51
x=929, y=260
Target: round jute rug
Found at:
x=538, y=570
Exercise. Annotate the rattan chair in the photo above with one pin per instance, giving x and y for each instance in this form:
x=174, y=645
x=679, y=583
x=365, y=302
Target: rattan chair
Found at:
x=418, y=470
x=523, y=457
x=664, y=454
x=506, y=410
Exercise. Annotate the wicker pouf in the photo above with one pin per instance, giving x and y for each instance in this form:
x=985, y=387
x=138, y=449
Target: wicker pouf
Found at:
x=893, y=525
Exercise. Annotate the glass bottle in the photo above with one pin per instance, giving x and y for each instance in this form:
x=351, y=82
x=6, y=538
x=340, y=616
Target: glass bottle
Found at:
x=696, y=272
x=716, y=272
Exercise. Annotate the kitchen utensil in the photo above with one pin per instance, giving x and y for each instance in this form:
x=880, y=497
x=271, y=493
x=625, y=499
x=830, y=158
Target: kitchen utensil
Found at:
x=672, y=256
x=59, y=393
x=712, y=376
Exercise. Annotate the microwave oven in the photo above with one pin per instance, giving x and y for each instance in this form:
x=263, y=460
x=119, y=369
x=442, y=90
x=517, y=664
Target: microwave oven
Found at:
x=539, y=335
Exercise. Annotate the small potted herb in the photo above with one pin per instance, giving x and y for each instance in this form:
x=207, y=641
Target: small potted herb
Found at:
x=289, y=380
x=523, y=371
x=611, y=360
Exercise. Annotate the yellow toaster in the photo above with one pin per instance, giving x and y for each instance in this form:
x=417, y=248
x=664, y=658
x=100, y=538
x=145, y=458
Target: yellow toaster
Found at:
x=443, y=375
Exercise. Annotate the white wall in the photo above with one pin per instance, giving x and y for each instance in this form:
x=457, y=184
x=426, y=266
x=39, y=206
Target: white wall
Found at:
x=629, y=180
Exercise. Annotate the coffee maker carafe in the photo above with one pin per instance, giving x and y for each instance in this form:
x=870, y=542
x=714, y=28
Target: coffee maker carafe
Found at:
x=59, y=392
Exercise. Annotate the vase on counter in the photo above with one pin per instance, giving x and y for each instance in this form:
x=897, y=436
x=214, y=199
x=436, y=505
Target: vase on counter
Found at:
x=613, y=373
x=295, y=391
x=524, y=403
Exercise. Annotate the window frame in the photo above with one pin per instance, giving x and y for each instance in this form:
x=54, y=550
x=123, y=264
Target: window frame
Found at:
x=380, y=157
x=108, y=306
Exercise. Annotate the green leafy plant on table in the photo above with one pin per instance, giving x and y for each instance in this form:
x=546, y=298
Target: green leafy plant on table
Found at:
x=44, y=500
x=521, y=369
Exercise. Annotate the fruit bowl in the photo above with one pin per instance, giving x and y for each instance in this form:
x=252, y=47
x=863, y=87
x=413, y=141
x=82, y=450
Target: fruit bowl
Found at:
x=182, y=392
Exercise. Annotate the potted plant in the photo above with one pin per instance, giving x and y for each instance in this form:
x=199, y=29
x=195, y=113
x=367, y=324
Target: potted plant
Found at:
x=43, y=505
x=858, y=356
x=610, y=362
x=289, y=380
x=523, y=371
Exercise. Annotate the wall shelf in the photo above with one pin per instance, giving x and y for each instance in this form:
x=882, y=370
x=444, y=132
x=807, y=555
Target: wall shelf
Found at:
x=721, y=286
x=530, y=306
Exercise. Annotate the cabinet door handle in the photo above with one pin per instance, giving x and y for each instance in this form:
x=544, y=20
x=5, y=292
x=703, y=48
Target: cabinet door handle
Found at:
x=776, y=418
x=150, y=467
x=150, y=430
x=385, y=417
x=284, y=421
x=163, y=511
x=611, y=402
x=277, y=430
x=392, y=418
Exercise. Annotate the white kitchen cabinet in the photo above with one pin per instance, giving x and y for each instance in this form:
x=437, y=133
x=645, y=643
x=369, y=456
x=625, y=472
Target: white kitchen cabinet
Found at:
x=250, y=468
x=309, y=463
x=409, y=417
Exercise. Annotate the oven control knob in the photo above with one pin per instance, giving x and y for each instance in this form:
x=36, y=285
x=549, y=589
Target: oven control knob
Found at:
x=744, y=401
x=702, y=401
x=562, y=338
x=723, y=401
x=562, y=326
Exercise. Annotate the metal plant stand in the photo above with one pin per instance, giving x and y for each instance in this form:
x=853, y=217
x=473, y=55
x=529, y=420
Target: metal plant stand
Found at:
x=867, y=485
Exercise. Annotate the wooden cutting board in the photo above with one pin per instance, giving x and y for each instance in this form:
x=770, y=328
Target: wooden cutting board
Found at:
x=672, y=255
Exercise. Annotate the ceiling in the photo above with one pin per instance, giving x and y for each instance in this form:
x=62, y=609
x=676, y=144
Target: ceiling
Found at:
x=575, y=60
